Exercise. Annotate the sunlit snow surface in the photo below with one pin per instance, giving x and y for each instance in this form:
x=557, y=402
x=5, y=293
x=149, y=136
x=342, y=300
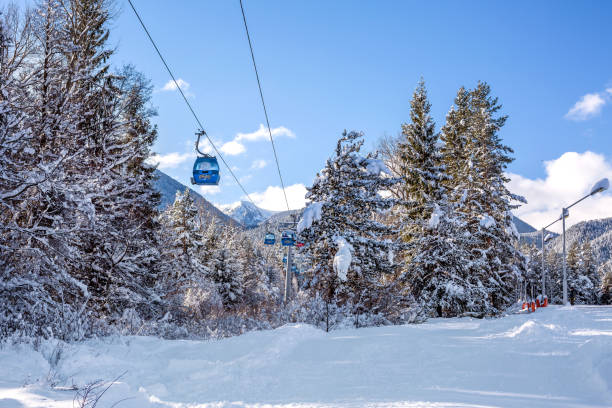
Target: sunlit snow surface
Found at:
x=555, y=357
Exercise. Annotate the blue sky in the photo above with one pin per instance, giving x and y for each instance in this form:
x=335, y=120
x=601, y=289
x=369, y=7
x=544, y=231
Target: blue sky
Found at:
x=333, y=65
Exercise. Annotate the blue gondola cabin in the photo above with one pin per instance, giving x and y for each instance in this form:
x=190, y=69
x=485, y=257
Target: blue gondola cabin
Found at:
x=288, y=238
x=206, y=171
x=270, y=239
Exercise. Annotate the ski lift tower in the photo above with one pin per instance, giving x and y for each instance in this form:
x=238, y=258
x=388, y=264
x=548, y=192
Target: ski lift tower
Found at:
x=288, y=239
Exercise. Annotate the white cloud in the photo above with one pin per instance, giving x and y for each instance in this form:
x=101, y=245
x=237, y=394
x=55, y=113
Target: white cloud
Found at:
x=609, y=90
x=273, y=199
x=258, y=164
x=568, y=178
x=209, y=190
x=246, y=178
x=588, y=106
x=169, y=160
x=171, y=86
x=233, y=148
x=262, y=134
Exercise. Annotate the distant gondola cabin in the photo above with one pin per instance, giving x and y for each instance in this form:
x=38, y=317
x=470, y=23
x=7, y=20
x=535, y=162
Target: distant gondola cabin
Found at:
x=270, y=239
x=288, y=238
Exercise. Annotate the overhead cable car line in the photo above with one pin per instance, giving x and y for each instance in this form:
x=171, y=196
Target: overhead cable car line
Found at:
x=200, y=125
x=246, y=27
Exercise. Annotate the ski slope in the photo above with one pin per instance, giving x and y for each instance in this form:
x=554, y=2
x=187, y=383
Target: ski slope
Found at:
x=555, y=357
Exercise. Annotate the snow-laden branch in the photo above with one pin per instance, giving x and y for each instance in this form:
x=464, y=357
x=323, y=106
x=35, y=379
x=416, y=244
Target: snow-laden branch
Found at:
x=311, y=214
x=343, y=258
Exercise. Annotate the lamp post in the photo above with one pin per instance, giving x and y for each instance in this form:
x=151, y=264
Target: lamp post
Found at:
x=600, y=186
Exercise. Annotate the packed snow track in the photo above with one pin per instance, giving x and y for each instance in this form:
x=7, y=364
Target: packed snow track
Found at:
x=555, y=357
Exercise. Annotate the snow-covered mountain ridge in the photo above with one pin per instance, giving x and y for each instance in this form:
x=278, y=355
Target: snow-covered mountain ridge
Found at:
x=597, y=232
x=167, y=187
x=246, y=213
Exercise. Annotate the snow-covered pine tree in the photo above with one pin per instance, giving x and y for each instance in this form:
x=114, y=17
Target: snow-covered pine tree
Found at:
x=42, y=206
x=94, y=95
x=582, y=276
x=109, y=120
x=129, y=206
x=573, y=270
x=604, y=295
x=256, y=285
x=347, y=191
x=187, y=282
x=480, y=197
x=434, y=261
x=455, y=138
x=225, y=273
x=420, y=161
x=554, y=283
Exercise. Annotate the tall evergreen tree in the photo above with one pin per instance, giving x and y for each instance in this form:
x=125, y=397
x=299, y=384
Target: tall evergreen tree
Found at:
x=583, y=280
x=455, y=138
x=434, y=258
x=40, y=206
x=604, y=295
x=347, y=191
x=420, y=160
x=226, y=275
x=186, y=280
x=480, y=196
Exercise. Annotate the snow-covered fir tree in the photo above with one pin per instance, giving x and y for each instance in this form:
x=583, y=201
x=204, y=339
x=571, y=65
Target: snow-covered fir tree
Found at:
x=477, y=159
x=187, y=281
x=43, y=204
x=255, y=281
x=225, y=273
x=420, y=161
x=554, y=271
x=345, y=196
x=604, y=294
x=434, y=259
x=583, y=280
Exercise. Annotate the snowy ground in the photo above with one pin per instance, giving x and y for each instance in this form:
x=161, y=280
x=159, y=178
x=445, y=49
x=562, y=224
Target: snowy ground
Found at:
x=556, y=357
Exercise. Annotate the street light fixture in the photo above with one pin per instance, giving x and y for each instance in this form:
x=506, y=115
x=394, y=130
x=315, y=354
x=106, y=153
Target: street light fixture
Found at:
x=600, y=186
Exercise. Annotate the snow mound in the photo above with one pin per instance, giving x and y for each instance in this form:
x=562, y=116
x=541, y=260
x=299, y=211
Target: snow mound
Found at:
x=311, y=214
x=530, y=328
x=343, y=258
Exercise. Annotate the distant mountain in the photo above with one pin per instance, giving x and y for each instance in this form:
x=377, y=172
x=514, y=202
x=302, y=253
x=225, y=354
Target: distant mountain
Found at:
x=251, y=216
x=522, y=226
x=167, y=186
x=246, y=213
x=598, y=232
